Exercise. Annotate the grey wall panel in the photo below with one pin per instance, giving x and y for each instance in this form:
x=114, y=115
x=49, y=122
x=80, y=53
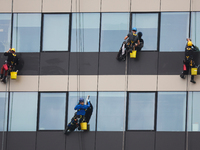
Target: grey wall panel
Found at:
x=50, y=140
x=54, y=63
x=28, y=63
x=80, y=141
x=109, y=65
x=170, y=63
x=88, y=63
x=109, y=140
x=136, y=140
x=3, y=140
x=144, y=64
x=193, y=141
x=170, y=141
x=21, y=140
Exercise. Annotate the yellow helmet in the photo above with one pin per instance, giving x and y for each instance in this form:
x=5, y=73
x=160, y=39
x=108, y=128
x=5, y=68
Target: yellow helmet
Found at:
x=13, y=49
x=189, y=43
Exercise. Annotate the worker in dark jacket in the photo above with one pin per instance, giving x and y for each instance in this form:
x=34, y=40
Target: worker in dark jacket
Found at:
x=188, y=62
x=129, y=45
x=140, y=46
x=9, y=64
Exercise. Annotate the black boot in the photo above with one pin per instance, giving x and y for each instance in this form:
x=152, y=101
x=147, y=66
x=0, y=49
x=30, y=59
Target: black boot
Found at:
x=182, y=76
x=192, y=81
x=4, y=80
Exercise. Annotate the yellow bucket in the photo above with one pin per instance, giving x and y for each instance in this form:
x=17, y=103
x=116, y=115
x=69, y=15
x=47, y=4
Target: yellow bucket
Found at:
x=194, y=71
x=13, y=75
x=133, y=54
x=83, y=125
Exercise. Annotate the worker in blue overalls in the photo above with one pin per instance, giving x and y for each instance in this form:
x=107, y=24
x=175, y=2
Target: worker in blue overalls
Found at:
x=81, y=110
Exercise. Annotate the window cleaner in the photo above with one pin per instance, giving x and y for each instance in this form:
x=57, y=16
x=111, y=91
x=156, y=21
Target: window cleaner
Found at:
x=9, y=65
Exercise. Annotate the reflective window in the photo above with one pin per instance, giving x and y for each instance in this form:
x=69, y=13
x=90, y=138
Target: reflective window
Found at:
x=195, y=28
x=55, y=32
x=193, y=111
x=73, y=100
x=26, y=32
x=52, y=111
x=149, y=30
x=141, y=107
x=3, y=110
x=174, y=31
x=85, y=32
x=114, y=27
x=23, y=111
x=171, y=111
x=5, y=32
x=111, y=111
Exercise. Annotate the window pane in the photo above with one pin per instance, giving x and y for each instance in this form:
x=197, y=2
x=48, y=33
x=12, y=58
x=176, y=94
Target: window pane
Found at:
x=111, y=111
x=85, y=29
x=193, y=111
x=23, y=111
x=26, y=32
x=149, y=30
x=52, y=111
x=195, y=28
x=5, y=31
x=141, y=111
x=114, y=28
x=73, y=100
x=55, y=32
x=171, y=111
x=3, y=110
x=174, y=31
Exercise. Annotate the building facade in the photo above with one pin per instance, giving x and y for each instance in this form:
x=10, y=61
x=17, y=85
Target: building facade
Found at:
x=67, y=50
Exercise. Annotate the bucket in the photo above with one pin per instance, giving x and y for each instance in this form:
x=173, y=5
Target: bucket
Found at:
x=133, y=54
x=194, y=71
x=13, y=75
x=83, y=125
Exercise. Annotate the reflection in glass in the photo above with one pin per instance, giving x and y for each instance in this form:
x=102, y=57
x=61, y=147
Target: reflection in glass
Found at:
x=73, y=100
x=23, y=111
x=111, y=111
x=141, y=108
x=26, y=32
x=149, y=30
x=55, y=32
x=52, y=111
x=174, y=31
x=85, y=31
x=5, y=32
x=193, y=111
x=171, y=111
x=195, y=28
x=114, y=27
x=3, y=110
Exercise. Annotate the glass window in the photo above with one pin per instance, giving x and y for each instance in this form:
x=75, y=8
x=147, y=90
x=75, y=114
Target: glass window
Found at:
x=195, y=28
x=55, y=32
x=149, y=30
x=85, y=31
x=26, y=32
x=174, y=31
x=5, y=32
x=114, y=27
x=73, y=100
x=141, y=109
x=52, y=111
x=3, y=110
x=193, y=111
x=171, y=111
x=111, y=111
x=23, y=111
